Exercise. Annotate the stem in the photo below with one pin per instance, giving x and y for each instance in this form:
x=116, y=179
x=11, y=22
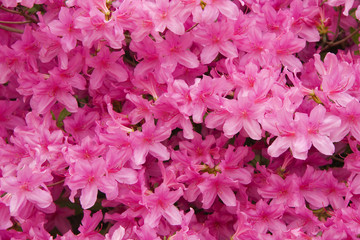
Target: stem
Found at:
x=11, y=29
x=19, y=22
x=337, y=159
x=19, y=13
x=56, y=183
x=192, y=27
x=332, y=44
x=9, y=10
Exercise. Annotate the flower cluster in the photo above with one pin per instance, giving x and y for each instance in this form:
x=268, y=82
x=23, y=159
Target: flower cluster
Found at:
x=179, y=119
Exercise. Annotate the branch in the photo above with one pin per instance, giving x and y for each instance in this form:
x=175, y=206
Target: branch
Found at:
x=11, y=29
x=332, y=44
x=56, y=183
x=19, y=13
x=9, y=10
x=192, y=27
x=19, y=22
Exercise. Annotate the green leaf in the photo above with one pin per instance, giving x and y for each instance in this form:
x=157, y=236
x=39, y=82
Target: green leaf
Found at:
x=36, y=8
x=63, y=114
x=355, y=37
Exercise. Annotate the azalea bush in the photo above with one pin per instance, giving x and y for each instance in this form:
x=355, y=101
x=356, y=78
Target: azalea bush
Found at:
x=179, y=119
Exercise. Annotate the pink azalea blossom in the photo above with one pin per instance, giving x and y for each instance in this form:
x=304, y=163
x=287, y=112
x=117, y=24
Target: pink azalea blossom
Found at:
x=175, y=50
x=65, y=27
x=89, y=177
x=105, y=63
x=149, y=141
x=289, y=136
x=244, y=114
x=217, y=185
x=266, y=217
x=47, y=92
x=165, y=15
x=161, y=204
x=216, y=39
x=27, y=186
x=349, y=121
x=319, y=125
x=95, y=27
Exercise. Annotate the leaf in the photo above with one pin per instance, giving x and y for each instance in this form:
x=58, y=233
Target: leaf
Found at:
x=355, y=37
x=63, y=114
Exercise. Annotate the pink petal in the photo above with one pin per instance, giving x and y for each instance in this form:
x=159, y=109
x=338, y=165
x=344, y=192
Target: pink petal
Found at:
x=188, y=59
x=209, y=196
x=68, y=100
x=126, y=175
x=5, y=221
x=323, y=144
x=209, y=53
x=209, y=14
x=172, y=215
x=240, y=174
x=229, y=9
x=159, y=151
x=118, y=72
x=187, y=127
x=252, y=128
x=232, y=126
x=228, y=49
x=88, y=196
x=96, y=78
x=280, y=145
x=16, y=202
x=291, y=62
x=42, y=103
x=176, y=26
x=300, y=146
x=316, y=198
x=56, y=27
x=153, y=217
x=317, y=114
x=140, y=154
x=40, y=197
x=227, y=196
x=68, y=43
x=198, y=112
x=355, y=130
